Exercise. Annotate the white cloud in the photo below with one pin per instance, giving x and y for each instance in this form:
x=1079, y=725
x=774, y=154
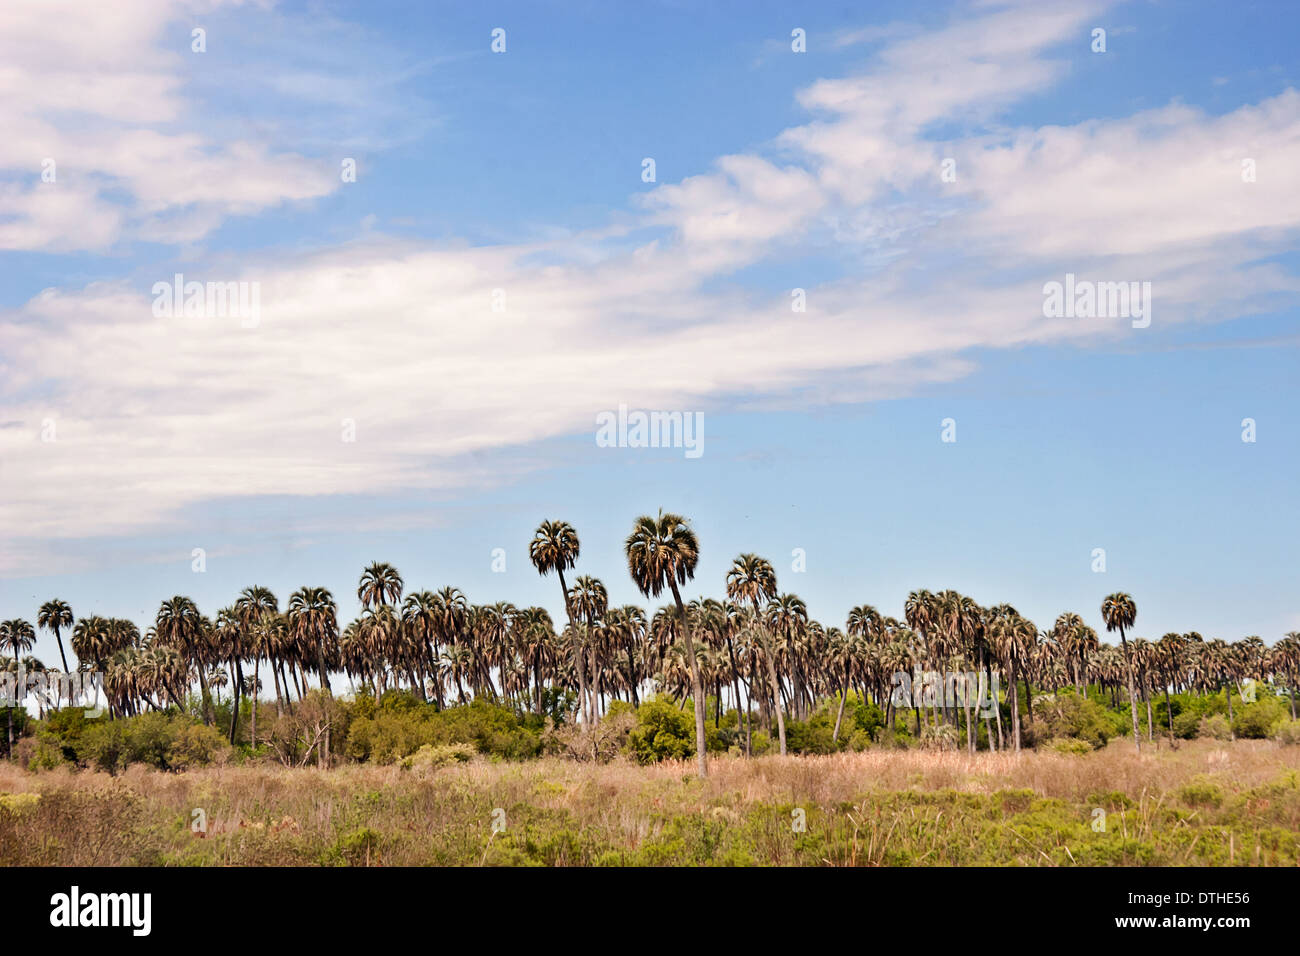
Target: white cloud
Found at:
x=98, y=88
x=157, y=416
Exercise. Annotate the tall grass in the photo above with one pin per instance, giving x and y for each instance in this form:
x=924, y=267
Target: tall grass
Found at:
x=1206, y=803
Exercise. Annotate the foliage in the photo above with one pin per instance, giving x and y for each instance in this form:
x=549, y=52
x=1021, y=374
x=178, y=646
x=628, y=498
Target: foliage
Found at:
x=1066, y=714
x=1260, y=719
x=1288, y=733
x=662, y=732
x=433, y=757
x=1215, y=726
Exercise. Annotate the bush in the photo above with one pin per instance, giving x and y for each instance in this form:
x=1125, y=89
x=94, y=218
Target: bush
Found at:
x=430, y=757
x=158, y=740
x=45, y=756
x=940, y=737
x=1069, y=745
x=606, y=740
x=1066, y=714
x=663, y=732
x=1259, y=720
x=104, y=746
x=1187, y=725
x=1215, y=726
x=198, y=745
x=1201, y=792
x=1288, y=733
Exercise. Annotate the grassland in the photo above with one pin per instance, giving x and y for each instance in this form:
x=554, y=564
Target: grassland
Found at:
x=1208, y=803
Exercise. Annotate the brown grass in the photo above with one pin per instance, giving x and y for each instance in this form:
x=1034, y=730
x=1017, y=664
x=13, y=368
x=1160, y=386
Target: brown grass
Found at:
x=1207, y=802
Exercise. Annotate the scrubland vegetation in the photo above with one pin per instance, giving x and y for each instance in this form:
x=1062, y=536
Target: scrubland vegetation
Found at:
x=1207, y=803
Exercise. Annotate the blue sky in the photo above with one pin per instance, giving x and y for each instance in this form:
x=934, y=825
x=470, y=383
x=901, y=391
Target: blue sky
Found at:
x=775, y=170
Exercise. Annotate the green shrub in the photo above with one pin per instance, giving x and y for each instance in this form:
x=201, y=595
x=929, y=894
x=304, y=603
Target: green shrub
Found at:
x=1066, y=714
x=105, y=746
x=432, y=757
x=1069, y=745
x=1288, y=733
x=1259, y=720
x=1215, y=726
x=1187, y=725
x=45, y=756
x=197, y=745
x=663, y=732
x=1201, y=792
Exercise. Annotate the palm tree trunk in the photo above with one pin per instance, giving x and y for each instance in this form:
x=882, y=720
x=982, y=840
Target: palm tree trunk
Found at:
x=1169, y=708
x=839, y=714
x=771, y=676
x=256, y=682
x=234, y=710
x=578, y=654
x=1014, y=698
x=209, y=717
x=997, y=708
x=64, y=657
x=697, y=688
x=1132, y=692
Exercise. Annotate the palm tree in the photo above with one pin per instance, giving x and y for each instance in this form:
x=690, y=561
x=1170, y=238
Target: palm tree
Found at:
x=663, y=552
x=313, y=622
x=252, y=609
x=752, y=579
x=420, y=617
x=380, y=584
x=589, y=601
x=787, y=618
x=16, y=635
x=1119, y=611
x=180, y=625
x=1171, y=658
x=1286, y=661
x=54, y=616
x=554, y=548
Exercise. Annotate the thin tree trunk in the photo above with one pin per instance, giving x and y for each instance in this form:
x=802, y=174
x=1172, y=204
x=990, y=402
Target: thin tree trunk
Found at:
x=578, y=653
x=697, y=687
x=1014, y=696
x=839, y=715
x=1169, y=707
x=209, y=717
x=234, y=710
x=771, y=676
x=1132, y=692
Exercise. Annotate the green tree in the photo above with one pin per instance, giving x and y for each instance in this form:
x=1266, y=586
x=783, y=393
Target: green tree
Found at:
x=1119, y=611
x=662, y=553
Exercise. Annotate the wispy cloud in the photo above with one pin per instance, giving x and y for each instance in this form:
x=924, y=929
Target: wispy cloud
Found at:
x=155, y=416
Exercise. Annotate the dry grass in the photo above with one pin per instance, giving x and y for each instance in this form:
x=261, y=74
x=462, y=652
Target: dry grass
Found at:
x=1206, y=803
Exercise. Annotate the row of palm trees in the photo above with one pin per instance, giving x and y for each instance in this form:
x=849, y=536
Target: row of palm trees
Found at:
x=756, y=650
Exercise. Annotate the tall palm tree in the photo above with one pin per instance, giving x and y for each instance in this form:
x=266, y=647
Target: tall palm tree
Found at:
x=252, y=609
x=663, y=552
x=180, y=625
x=554, y=548
x=1119, y=611
x=1286, y=661
x=420, y=616
x=313, y=622
x=54, y=616
x=380, y=584
x=16, y=635
x=589, y=601
x=753, y=579
x=1171, y=656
